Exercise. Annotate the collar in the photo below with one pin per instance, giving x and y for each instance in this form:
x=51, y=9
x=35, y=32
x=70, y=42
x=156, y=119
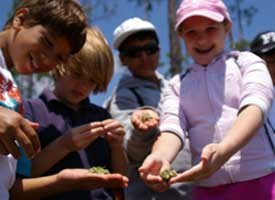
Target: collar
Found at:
x=50, y=97
x=2, y=60
x=220, y=57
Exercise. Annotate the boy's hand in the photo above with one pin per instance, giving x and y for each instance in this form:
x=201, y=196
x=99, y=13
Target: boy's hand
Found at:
x=212, y=158
x=144, y=119
x=83, y=179
x=150, y=172
x=80, y=137
x=114, y=132
x=14, y=128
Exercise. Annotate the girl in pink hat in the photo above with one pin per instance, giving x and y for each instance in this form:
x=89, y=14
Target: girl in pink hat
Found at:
x=221, y=104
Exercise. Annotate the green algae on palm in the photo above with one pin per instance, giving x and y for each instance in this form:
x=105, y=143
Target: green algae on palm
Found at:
x=167, y=174
x=146, y=117
x=99, y=170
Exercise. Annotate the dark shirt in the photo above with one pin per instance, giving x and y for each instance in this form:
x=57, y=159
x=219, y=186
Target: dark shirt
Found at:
x=55, y=119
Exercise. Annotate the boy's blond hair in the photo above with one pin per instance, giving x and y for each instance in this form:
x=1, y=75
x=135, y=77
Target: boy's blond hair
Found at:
x=93, y=62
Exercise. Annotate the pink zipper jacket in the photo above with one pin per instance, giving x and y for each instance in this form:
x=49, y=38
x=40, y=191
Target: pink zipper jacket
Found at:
x=204, y=104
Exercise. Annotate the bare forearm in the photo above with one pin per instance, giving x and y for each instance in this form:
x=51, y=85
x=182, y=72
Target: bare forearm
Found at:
x=244, y=128
x=48, y=157
x=36, y=188
x=167, y=146
x=119, y=160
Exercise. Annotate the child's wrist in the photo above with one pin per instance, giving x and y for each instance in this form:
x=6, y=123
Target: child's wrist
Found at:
x=116, y=145
x=66, y=148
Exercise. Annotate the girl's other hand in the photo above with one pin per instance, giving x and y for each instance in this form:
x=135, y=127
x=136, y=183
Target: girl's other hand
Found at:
x=212, y=158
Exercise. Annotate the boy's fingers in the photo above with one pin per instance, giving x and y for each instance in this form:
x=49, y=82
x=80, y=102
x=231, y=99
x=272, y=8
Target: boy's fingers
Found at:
x=28, y=137
x=10, y=146
x=3, y=150
x=34, y=125
x=87, y=127
x=27, y=143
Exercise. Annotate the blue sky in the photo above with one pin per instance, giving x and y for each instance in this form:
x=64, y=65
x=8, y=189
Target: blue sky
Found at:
x=263, y=20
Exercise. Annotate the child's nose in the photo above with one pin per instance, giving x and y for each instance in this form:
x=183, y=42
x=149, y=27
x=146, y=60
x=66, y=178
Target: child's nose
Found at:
x=202, y=38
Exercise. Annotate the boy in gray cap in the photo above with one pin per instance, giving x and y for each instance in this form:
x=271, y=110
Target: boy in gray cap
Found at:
x=141, y=86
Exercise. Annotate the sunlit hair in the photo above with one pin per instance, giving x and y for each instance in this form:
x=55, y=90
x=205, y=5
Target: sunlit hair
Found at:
x=61, y=17
x=93, y=62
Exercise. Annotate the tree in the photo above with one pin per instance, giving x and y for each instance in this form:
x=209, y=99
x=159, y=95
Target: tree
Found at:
x=241, y=16
x=176, y=57
x=147, y=5
x=98, y=9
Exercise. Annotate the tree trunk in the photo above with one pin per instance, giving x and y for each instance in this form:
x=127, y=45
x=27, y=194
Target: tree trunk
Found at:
x=175, y=48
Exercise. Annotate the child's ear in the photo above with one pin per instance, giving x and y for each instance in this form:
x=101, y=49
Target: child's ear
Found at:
x=228, y=26
x=122, y=59
x=19, y=17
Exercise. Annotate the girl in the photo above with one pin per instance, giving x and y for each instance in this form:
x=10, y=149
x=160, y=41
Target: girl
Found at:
x=222, y=102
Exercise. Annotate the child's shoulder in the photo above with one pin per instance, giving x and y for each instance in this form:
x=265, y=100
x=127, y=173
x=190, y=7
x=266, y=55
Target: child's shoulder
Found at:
x=244, y=56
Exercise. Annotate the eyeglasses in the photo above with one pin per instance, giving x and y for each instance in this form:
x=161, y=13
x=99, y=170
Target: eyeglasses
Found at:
x=136, y=51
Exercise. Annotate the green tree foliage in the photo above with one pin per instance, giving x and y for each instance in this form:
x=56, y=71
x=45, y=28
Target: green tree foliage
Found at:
x=242, y=16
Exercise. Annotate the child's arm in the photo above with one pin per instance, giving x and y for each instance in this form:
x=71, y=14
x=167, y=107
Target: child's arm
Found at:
x=255, y=99
x=114, y=134
x=75, y=139
x=13, y=127
x=66, y=180
x=214, y=155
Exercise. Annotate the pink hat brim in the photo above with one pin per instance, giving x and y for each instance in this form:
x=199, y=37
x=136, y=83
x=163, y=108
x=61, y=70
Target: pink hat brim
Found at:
x=204, y=13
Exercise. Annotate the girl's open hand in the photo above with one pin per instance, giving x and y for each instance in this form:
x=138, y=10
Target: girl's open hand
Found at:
x=144, y=119
x=212, y=158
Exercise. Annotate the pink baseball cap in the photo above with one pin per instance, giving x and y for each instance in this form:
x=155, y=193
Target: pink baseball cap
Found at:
x=212, y=9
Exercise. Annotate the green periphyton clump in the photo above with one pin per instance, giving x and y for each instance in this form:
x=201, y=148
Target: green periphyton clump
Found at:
x=146, y=117
x=167, y=174
x=99, y=170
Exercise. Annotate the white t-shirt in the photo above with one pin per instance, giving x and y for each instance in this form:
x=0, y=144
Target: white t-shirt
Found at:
x=10, y=98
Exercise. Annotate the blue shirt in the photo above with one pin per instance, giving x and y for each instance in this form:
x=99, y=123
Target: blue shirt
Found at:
x=55, y=119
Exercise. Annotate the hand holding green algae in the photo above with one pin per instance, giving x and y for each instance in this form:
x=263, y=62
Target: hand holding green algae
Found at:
x=167, y=174
x=146, y=117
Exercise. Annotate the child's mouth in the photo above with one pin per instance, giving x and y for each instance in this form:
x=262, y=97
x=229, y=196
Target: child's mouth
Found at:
x=204, y=51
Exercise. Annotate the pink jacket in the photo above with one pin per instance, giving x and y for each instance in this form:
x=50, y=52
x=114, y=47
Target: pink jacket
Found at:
x=205, y=103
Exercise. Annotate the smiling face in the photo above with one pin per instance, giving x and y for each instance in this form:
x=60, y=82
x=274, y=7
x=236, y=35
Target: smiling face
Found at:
x=34, y=48
x=144, y=63
x=204, y=38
